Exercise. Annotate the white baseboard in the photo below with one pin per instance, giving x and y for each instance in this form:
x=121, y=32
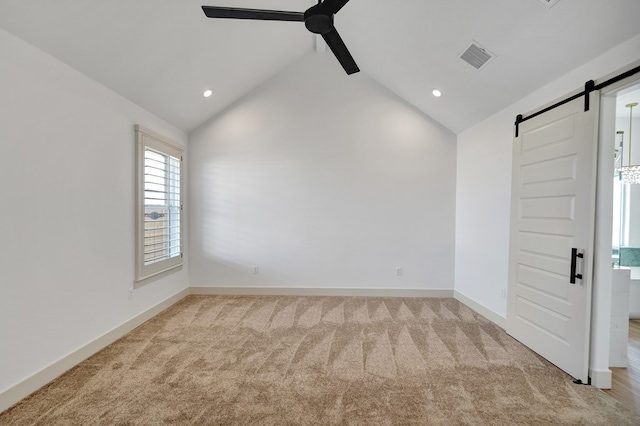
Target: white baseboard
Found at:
x=321, y=291
x=601, y=379
x=494, y=317
x=14, y=394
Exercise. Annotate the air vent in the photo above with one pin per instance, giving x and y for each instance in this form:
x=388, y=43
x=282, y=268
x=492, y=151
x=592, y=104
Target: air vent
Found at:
x=477, y=56
x=549, y=3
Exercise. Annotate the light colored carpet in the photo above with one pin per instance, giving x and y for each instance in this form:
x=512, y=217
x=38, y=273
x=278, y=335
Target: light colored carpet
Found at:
x=261, y=360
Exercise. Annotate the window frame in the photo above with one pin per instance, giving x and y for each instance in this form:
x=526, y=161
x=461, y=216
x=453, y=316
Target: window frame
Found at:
x=147, y=139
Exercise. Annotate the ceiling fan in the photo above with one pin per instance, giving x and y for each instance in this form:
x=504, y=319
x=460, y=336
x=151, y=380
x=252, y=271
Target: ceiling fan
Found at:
x=318, y=19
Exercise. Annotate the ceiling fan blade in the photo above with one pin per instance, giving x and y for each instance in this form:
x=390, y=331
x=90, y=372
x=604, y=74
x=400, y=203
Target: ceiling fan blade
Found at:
x=258, y=14
x=337, y=46
x=334, y=5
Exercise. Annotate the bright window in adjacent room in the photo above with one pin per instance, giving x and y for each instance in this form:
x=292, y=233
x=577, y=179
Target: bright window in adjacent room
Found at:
x=159, y=204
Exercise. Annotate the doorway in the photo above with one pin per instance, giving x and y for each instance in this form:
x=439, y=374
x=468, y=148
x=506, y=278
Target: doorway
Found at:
x=624, y=352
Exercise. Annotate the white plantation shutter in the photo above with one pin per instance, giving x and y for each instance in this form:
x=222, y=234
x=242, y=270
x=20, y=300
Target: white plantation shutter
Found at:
x=161, y=206
x=159, y=213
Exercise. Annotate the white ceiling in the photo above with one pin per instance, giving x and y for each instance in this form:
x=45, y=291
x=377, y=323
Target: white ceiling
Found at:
x=162, y=54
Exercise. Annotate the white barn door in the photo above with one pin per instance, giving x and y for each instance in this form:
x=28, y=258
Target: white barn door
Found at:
x=552, y=225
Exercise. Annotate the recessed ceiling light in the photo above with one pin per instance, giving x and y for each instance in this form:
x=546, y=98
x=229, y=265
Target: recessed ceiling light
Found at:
x=437, y=93
x=208, y=93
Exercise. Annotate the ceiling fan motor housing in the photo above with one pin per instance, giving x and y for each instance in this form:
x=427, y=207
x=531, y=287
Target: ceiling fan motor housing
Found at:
x=318, y=21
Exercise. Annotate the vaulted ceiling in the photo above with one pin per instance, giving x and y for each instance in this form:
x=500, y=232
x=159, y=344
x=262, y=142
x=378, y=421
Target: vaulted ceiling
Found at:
x=162, y=54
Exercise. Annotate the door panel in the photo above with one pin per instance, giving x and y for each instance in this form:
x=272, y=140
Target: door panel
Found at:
x=553, y=324
x=542, y=280
x=552, y=211
x=549, y=170
x=560, y=207
x=545, y=245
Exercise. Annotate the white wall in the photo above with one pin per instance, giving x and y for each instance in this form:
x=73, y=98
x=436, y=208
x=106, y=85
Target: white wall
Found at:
x=322, y=180
x=67, y=216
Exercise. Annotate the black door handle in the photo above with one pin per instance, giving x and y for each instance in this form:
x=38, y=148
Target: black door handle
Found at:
x=574, y=260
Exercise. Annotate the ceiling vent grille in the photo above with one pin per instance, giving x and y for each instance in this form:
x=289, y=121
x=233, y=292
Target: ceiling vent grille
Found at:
x=477, y=56
x=549, y=3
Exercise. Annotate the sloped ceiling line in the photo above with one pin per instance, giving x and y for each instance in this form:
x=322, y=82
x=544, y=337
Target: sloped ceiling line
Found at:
x=162, y=54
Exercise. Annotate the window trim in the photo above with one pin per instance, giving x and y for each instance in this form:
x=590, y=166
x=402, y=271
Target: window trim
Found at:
x=146, y=138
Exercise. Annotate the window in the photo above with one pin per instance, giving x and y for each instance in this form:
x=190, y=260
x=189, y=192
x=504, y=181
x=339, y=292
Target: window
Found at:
x=159, y=204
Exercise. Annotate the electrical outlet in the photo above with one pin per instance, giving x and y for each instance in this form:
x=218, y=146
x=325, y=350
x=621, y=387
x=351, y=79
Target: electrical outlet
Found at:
x=398, y=271
x=130, y=293
x=256, y=270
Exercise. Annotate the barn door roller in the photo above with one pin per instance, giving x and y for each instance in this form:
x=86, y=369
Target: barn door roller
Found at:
x=589, y=87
